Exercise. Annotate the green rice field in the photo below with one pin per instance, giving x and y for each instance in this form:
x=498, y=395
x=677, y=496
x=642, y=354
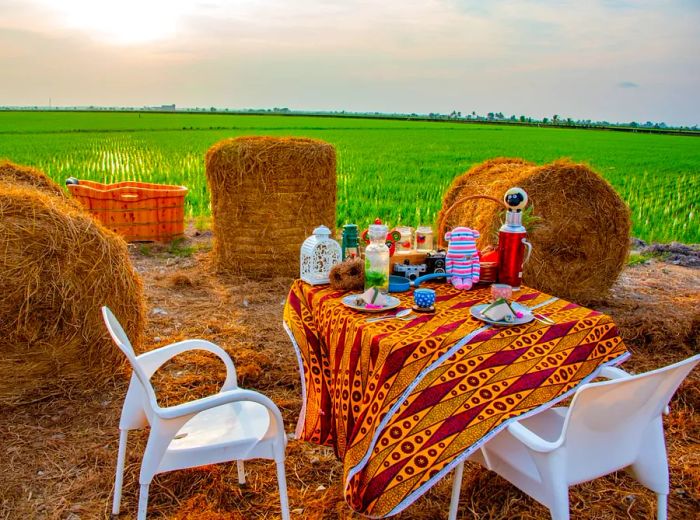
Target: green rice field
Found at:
x=397, y=170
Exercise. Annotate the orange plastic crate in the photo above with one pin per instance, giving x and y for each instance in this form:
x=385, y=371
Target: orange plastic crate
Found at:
x=139, y=211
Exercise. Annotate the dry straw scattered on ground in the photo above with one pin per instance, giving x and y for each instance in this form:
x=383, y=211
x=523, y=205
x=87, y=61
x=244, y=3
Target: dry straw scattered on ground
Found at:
x=58, y=456
x=267, y=196
x=57, y=267
x=660, y=313
x=578, y=226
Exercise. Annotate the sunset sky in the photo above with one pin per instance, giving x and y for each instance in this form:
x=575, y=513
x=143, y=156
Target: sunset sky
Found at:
x=615, y=60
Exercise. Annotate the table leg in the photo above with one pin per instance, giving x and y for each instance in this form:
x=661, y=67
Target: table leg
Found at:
x=456, y=487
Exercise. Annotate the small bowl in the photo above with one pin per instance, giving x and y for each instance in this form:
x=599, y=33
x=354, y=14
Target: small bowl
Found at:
x=501, y=290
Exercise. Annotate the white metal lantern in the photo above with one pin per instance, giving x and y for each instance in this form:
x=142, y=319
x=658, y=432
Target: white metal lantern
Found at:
x=318, y=254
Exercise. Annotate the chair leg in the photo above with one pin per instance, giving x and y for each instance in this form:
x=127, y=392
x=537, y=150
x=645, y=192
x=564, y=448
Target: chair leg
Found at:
x=560, y=507
x=119, y=479
x=651, y=466
x=143, y=502
x=241, y=472
x=456, y=488
x=282, y=483
x=552, y=469
x=661, y=506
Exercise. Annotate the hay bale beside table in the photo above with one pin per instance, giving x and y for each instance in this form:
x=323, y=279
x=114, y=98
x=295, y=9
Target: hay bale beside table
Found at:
x=579, y=226
x=267, y=196
x=57, y=268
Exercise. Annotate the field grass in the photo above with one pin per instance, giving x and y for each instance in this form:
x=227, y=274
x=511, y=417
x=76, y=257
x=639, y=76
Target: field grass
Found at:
x=397, y=170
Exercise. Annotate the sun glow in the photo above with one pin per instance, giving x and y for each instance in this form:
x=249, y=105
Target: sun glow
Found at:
x=123, y=21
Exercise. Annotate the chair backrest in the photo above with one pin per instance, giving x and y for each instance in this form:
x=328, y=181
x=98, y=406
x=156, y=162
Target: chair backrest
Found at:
x=608, y=422
x=141, y=398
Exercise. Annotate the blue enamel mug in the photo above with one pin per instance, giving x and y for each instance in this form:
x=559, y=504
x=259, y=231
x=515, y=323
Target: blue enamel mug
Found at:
x=424, y=298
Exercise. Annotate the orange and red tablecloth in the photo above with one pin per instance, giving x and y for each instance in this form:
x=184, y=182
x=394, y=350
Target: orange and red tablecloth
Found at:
x=403, y=402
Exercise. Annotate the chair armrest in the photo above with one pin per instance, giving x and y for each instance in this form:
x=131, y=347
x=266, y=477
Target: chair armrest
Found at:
x=531, y=439
x=224, y=397
x=154, y=359
x=613, y=373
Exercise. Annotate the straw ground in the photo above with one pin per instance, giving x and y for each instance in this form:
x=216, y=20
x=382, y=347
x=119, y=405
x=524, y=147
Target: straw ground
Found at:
x=58, y=455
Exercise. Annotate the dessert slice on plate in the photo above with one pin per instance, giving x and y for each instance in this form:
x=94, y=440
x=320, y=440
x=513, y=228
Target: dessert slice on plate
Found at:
x=500, y=310
x=374, y=299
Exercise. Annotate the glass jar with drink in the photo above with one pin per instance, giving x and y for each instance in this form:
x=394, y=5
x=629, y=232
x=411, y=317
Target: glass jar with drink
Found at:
x=377, y=259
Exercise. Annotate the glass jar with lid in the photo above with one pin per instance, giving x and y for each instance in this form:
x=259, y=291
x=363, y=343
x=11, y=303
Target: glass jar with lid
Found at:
x=424, y=238
x=405, y=243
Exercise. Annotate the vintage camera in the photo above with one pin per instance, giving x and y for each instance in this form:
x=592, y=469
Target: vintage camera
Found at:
x=409, y=271
x=435, y=263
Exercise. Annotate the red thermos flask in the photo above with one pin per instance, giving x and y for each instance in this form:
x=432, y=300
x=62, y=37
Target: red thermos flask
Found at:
x=512, y=240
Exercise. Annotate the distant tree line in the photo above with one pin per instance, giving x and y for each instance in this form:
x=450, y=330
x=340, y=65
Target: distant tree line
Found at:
x=457, y=116
x=555, y=120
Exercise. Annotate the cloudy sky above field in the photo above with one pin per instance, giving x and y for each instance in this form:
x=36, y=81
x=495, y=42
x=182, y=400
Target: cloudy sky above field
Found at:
x=616, y=60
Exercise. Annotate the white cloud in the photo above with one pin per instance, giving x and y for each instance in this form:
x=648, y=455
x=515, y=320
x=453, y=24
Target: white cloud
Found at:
x=532, y=57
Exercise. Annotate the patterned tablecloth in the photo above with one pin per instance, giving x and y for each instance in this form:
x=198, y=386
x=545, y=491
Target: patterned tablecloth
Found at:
x=403, y=402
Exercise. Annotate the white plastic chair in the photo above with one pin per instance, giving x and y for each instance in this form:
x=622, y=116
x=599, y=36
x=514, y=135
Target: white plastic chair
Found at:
x=609, y=426
x=235, y=424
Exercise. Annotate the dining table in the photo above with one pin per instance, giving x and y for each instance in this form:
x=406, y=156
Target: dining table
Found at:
x=403, y=401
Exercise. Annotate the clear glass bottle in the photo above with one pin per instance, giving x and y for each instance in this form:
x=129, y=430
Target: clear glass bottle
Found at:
x=377, y=259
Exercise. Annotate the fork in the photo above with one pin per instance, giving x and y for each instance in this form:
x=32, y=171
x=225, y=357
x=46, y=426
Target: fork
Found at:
x=544, y=319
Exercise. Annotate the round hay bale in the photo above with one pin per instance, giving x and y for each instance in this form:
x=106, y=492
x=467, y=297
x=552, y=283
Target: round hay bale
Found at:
x=58, y=266
x=578, y=225
x=267, y=195
x=17, y=174
x=463, y=185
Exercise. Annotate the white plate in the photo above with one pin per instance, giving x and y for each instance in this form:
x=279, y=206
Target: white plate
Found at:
x=527, y=315
x=349, y=301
